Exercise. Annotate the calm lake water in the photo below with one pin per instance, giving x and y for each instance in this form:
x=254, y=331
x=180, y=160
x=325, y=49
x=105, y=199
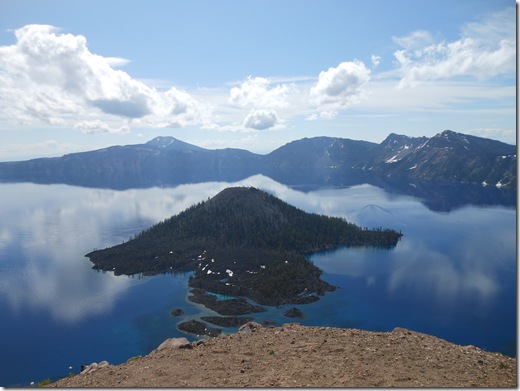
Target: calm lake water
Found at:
x=452, y=275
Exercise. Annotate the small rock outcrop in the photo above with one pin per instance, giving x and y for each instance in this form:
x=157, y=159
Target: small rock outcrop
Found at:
x=249, y=327
x=173, y=343
x=93, y=367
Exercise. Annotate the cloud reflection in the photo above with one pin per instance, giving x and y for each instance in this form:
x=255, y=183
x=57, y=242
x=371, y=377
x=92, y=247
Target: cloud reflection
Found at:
x=47, y=229
x=446, y=258
x=43, y=240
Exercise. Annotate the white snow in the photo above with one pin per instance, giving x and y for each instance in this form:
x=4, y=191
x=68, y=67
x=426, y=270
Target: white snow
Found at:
x=414, y=167
x=229, y=272
x=209, y=271
x=393, y=159
x=165, y=145
x=423, y=144
x=263, y=266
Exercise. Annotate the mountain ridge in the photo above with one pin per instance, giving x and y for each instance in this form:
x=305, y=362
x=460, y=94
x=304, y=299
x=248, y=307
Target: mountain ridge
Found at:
x=166, y=161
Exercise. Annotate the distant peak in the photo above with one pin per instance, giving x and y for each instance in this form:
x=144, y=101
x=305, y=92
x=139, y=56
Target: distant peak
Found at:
x=169, y=142
x=162, y=141
x=449, y=133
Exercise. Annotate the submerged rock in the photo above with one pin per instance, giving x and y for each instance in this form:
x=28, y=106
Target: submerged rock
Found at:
x=294, y=313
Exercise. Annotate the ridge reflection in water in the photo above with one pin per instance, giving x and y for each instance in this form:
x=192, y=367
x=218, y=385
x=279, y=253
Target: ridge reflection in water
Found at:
x=452, y=275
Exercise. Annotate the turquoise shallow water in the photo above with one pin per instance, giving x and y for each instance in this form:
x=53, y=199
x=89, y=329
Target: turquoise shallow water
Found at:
x=452, y=275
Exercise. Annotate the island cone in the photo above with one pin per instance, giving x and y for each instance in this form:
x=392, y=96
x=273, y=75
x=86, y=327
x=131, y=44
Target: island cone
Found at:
x=243, y=242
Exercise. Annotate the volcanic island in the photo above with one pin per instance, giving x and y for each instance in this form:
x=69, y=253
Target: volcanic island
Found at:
x=244, y=244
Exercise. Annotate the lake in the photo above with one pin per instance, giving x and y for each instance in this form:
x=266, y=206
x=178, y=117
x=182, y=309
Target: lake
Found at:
x=452, y=275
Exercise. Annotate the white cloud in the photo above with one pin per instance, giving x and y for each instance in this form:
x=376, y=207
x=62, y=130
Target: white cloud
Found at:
x=261, y=119
x=376, y=60
x=262, y=98
x=48, y=76
x=257, y=92
x=416, y=40
x=341, y=86
x=98, y=126
x=485, y=50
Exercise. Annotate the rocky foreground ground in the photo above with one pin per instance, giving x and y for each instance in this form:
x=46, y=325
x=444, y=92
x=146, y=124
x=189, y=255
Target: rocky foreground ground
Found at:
x=298, y=356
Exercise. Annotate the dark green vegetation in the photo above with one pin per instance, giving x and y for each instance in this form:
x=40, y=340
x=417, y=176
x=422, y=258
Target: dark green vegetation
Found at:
x=241, y=243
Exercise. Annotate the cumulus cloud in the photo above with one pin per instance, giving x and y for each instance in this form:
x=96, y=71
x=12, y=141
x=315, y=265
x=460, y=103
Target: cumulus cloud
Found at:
x=47, y=75
x=262, y=98
x=486, y=49
x=261, y=119
x=257, y=92
x=341, y=86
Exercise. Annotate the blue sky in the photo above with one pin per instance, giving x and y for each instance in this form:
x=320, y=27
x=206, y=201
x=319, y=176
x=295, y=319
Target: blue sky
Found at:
x=80, y=75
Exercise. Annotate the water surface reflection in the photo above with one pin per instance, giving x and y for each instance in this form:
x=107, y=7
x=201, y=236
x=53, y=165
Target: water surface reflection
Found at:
x=452, y=274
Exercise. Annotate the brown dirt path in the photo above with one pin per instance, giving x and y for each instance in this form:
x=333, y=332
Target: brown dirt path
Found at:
x=297, y=356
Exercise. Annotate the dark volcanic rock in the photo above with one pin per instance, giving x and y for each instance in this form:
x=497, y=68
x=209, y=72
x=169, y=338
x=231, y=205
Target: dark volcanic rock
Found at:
x=198, y=328
x=176, y=312
x=224, y=307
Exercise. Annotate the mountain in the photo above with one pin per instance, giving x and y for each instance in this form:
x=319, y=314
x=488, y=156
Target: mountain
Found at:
x=447, y=157
x=165, y=161
x=242, y=242
x=317, y=161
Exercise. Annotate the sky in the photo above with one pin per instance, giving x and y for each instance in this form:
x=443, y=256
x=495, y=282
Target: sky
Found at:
x=86, y=74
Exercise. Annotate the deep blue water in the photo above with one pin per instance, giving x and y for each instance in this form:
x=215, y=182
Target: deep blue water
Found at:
x=452, y=275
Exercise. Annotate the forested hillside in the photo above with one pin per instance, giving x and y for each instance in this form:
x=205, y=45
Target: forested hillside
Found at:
x=242, y=242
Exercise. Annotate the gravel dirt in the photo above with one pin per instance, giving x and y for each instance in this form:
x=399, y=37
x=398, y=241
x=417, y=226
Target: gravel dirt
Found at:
x=298, y=356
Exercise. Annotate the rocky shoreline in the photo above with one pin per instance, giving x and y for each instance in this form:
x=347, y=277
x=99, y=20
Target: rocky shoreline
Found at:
x=301, y=356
